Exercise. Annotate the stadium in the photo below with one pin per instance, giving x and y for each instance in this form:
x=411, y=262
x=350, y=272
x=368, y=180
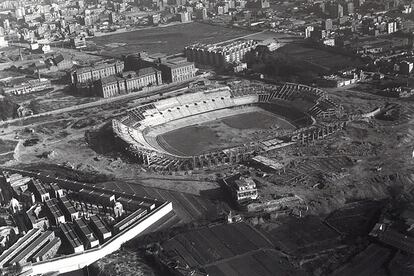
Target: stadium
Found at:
x=217, y=125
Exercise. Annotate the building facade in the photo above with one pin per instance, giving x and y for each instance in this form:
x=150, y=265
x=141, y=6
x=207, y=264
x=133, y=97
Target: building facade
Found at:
x=96, y=72
x=131, y=81
x=28, y=87
x=177, y=70
x=219, y=55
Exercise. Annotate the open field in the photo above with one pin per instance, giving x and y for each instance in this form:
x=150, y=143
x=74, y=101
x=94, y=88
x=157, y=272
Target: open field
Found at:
x=210, y=244
x=321, y=59
x=232, y=249
x=303, y=236
x=168, y=40
x=223, y=133
x=355, y=219
x=259, y=263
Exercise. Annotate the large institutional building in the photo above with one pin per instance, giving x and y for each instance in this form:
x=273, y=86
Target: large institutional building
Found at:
x=173, y=69
x=219, y=55
x=141, y=70
x=96, y=72
x=131, y=81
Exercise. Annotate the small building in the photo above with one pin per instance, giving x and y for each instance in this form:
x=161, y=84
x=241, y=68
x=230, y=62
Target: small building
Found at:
x=78, y=42
x=37, y=218
x=27, y=198
x=241, y=188
x=3, y=42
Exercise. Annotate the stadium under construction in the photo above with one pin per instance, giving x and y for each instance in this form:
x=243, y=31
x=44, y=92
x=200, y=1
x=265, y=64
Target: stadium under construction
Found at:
x=300, y=106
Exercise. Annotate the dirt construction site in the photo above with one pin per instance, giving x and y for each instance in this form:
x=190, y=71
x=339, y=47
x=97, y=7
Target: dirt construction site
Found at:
x=369, y=158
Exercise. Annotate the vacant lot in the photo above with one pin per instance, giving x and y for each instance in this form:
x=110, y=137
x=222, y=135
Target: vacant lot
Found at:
x=7, y=146
x=319, y=58
x=210, y=244
x=303, y=236
x=188, y=207
x=232, y=249
x=263, y=262
x=168, y=40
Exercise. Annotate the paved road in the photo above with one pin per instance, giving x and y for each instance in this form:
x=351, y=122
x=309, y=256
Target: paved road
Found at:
x=168, y=89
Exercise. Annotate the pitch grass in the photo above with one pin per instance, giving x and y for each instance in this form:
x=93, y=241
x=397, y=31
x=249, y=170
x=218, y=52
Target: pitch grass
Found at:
x=227, y=132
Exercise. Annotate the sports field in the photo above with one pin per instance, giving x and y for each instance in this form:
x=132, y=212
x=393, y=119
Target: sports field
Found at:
x=168, y=40
x=222, y=133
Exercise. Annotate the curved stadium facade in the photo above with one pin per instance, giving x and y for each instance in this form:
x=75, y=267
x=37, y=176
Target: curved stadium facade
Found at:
x=139, y=130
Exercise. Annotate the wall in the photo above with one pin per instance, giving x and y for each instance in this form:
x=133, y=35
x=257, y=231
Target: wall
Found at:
x=80, y=260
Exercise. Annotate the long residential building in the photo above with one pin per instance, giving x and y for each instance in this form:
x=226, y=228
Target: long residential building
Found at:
x=99, y=228
x=219, y=55
x=72, y=239
x=67, y=207
x=54, y=213
x=48, y=251
x=34, y=246
x=85, y=233
x=129, y=220
x=40, y=190
x=25, y=255
x=17, y=247
x=30, y=86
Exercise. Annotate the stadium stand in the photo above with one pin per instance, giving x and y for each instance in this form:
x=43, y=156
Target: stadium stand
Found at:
x=137, y=128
